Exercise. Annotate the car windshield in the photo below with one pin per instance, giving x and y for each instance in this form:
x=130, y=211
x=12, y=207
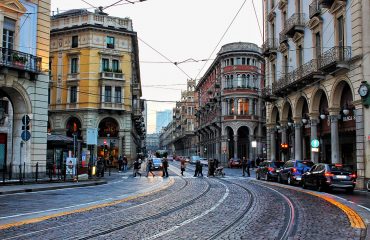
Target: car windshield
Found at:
x=157, y=161
x=304, y=164
x=277, y=164
x=340, y=168
x=195, y=158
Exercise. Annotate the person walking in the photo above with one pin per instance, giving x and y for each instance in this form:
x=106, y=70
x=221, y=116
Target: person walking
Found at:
x=198, y=169
x=244, y=165
x=211, y=168
x=136, y=168
x=165, y=167
x=182, y=166
x=258, y=161
x=120, y=163
x=149, y=167
x=124, y=162
x=100, y=167
x=249, y=163
x=216, y=163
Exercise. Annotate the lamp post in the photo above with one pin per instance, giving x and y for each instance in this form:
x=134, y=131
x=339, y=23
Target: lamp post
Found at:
x=254, y=146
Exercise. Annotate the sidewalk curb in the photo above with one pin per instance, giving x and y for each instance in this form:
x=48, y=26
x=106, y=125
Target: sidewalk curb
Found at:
x=53, y=187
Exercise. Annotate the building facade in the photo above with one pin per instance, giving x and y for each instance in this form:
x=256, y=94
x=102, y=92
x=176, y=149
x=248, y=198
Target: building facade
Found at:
x=230, y=108
x=166, y=137
x=24, y=80
x=162, y=119
x=95, y=82
x=315, y=63
x=152, y=143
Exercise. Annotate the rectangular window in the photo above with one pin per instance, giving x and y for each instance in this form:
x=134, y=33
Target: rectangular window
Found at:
x=340, y=32
x=300, y=55
x=273, y=72
x=286, y=66
x=105, y=65
x=108, y=93
x=232, y=61
x=110, y=42
x=243, y=61
x=115, y=65
x=238, y=61
x=318, y=45
x=74, y=41
x=118, y=93
x=8, y=33
x=73, y=94
x=74, y=65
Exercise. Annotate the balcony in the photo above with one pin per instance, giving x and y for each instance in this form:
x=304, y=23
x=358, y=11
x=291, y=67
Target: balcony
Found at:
x=266, y=94
x=269, y=47
x=302, y=76
x=112, y=76
x=283, y=38
x=296, y=23
x=112, y=106
x=335, y=59
x=20, y=61
x=315, y=9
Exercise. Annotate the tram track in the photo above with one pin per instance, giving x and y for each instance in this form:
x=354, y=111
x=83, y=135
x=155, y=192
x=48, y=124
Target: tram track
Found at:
x=121, y=226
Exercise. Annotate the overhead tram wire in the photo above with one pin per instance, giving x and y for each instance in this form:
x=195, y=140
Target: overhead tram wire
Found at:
x=222, y=37
x=258, y=22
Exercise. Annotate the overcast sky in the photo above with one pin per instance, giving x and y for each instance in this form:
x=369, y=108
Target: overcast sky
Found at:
x=178, y=30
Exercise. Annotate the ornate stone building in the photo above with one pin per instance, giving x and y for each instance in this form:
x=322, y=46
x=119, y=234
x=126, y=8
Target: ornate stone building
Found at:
x=230, y=110
x=24, y=62
x=315, y=63
x=95, y=82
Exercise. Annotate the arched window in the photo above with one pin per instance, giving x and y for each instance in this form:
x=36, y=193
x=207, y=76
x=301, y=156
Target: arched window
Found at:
x=244, y=81
x=243, y=104
x=74, y=127
x=108, y=126
x=231, y=107
x=239, y=80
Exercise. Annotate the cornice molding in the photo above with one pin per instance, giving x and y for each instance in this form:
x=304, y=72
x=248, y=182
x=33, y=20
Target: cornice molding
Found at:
x=14, y=5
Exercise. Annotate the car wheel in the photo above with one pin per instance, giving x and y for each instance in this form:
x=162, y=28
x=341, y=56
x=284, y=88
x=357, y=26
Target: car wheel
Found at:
x=304, y=184
x=279, y=179
x=290, y=180
x=349, y=190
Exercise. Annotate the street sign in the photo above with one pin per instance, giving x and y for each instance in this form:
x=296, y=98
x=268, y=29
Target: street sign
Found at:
x=26, y=135
x=315, y=149
x=26, y=120
x=315, y=143
x=92, y=136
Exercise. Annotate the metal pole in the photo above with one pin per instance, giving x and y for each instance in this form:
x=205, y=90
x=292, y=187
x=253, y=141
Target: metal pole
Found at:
x=37, y=170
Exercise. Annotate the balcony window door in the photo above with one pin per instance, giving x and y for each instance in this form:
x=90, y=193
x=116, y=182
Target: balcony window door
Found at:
x=340, y=33
x=243, y=105
x=118, y=94
x=108, y=94
x=105, y=65
x=299, y=55
x=74, y=41
x=73, y=94
x=317, y=45
x=115, y=65
x=231, y=107
x=286, y=66
x=74, y=65
x=243, y=61
x=110, y=42
x=244, y=81
x=8, y=38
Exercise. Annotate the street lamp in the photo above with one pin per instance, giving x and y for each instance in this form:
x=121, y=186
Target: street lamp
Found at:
x=254, y=146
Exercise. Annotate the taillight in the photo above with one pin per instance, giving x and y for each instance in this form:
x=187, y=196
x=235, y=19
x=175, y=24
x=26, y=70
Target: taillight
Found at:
x=294, y=170
x=328, y=174
x=353, y=175
x=270, y=169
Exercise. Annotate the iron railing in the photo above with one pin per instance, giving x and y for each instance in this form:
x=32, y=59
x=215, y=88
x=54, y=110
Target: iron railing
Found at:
x=269, y=44
x=20, y=60
x=335, y=55
x=297, y=19
x=315, y=8
x=282, y=37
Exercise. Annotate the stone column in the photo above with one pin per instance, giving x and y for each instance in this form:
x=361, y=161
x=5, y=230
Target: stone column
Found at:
x=314, y=122
x=235, y=146
x=334, y=138
x=298, y=139
x=273, y=144
x=284, y=138
x=235, y=106
x=250, y=106
x=251, y=149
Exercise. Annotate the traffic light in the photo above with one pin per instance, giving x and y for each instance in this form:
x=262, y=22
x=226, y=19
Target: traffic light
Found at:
x=284, y=147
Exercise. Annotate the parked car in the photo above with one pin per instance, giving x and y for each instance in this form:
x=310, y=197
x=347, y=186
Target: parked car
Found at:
x=269, y=170
x=203, y=161
x=235, y=162
x=193, y=159
x=157, y=164
x=292, y=171
x=328, y=176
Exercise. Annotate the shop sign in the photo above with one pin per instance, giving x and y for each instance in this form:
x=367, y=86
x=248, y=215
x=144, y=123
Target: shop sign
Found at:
x=348, y=118
x=315, y=149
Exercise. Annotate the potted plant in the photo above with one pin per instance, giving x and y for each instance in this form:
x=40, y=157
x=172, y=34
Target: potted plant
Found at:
x=19, y=61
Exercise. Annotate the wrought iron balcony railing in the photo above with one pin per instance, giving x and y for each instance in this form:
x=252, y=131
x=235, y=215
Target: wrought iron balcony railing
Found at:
x=315, y=8
x=295, y=23
x=269, y=46
x=334, y=56
x=20, y=60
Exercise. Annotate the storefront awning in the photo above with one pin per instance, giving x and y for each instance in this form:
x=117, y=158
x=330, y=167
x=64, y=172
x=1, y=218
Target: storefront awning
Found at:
x=59, y=139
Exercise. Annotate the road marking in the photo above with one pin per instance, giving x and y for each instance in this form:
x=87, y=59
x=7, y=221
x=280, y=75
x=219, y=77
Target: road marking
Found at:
x=354, y=218
x=193, y=219
x=368, y=209
x=115, y=202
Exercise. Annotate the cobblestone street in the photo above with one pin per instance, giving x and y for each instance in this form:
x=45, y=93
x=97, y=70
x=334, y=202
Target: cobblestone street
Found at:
x=232, y=207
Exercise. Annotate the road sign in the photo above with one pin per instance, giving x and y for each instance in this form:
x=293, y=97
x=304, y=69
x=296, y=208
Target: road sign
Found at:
x=92, y=136
x=315, y=143
x=26, y=135
x=26, y=120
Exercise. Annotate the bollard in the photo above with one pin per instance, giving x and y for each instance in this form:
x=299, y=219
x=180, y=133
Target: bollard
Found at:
x=77, y=171
x=64, y=172
x=109, y=167
x=24, y=171
x=10, y=171
x=4, y=170
x=20, y=173
x=37, y=171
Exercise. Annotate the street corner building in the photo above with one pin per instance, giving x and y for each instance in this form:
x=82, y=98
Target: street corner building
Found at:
x=24, y=81
x=95, y=84
x=316, y=54
x=230, y=109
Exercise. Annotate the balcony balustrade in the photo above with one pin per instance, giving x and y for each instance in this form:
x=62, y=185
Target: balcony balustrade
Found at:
x=112, y=76
x=331, y=61
x=20, y=60
x=269, y=47
x=315, y=9
x=296, y=23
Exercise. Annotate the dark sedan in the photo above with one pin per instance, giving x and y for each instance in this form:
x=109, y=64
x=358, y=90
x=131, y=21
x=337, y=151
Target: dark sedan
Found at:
x=157, y=164
x=328, y=176
x=292, y=171
x=235, y=162
x=269, y=170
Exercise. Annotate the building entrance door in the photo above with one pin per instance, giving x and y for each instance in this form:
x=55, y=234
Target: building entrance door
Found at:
x=3, y=140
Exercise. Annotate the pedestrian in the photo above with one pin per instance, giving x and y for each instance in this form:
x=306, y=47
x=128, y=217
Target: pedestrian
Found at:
x=136, y=168
x=149, y=167
x=244, y=165
x=198, y=169
x=216, y=163
x=124, y=162
x=211, y=168
x=100, y=167
x=258, y=161
x=120, y=163
x=182, y=166
x=165, y=167
x=249, y=163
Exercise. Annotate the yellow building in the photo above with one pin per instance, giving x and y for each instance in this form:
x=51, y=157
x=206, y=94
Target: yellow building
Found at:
x=95, y=82
x=24, y=61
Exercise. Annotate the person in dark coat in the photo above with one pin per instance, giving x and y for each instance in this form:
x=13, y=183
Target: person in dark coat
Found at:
x=198, y=169
x=244, y=165
x=124, y=162
x=137, y=168
x=100, y=167
x=216, y=163
x=211, y=168
x=120, y=163
x=249, y=164
x=165, y=167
